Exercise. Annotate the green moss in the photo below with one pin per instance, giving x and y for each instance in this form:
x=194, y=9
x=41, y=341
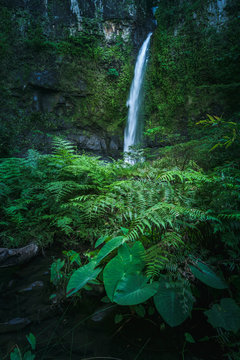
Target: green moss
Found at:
x=103, y=101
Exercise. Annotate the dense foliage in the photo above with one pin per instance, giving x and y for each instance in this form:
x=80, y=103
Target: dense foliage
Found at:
x=160, y=227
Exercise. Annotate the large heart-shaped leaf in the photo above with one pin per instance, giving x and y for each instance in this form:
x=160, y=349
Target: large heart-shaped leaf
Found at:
x=132, y=255
x=225, y=315
x=137, y=250
x=172, y=305
x=133, y=289
x=81, y=277
x=124, y=252
x=126, y=262
x=207, y=276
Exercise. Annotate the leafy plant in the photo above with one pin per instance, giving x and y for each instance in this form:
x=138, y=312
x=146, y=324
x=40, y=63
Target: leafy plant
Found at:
x=56, y=274
x=225, y=315
x=230, y=130
x=173, y=304
x=207, y=276
x=16, y=354
x=113, y=72
x=126, y=283
x=167, y=216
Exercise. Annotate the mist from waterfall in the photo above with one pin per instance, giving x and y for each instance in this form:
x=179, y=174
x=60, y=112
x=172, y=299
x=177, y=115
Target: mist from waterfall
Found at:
x=132, y=134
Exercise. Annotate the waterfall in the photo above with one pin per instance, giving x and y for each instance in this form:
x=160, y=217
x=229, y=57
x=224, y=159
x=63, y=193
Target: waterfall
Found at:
x=76, y=10
x=132, y=134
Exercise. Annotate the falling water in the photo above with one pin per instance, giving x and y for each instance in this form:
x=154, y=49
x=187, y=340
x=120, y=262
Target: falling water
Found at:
x=132, y=134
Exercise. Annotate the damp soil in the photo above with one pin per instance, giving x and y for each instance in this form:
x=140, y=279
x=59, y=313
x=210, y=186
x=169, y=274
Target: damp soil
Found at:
x=83, y=329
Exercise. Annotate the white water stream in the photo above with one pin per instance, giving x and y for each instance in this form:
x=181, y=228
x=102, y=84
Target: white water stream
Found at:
x=132, y=131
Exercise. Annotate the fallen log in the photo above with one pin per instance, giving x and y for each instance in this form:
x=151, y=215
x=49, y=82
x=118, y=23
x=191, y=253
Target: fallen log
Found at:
x=13, y=257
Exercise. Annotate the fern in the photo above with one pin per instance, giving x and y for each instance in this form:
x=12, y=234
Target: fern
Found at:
x=39, y=191
x=156, y=260
x=162, y=256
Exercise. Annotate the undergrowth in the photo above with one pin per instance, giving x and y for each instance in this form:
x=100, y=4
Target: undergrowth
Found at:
x=162, y=226
x=68, y=197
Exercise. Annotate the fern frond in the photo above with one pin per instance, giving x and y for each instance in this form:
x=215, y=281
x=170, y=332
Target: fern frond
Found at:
x=156, y=260
x=62, y=189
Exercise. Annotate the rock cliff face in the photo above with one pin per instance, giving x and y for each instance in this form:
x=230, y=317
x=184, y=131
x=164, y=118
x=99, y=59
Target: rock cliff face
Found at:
x=66, y=70
x=67, y=65
x=114, y=17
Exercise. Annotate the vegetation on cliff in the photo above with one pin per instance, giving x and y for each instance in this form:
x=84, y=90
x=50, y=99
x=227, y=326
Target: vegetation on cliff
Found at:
x=193, y=68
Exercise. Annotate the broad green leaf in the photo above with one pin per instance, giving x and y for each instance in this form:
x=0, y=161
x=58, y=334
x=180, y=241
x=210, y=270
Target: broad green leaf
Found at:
x=225, y=315
x=16, y=354
x=127, y=261
x=134, y=254
x=172, y=305
x=32, y=340
x=109, y=247
x=133, y=289
x=112, y=274
x=101, y=240
x=207, y=276
x=124, y=252
x=81, y=277
x=137, y=251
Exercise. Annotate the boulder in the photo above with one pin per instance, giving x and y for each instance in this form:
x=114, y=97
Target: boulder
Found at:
x=12, y=257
